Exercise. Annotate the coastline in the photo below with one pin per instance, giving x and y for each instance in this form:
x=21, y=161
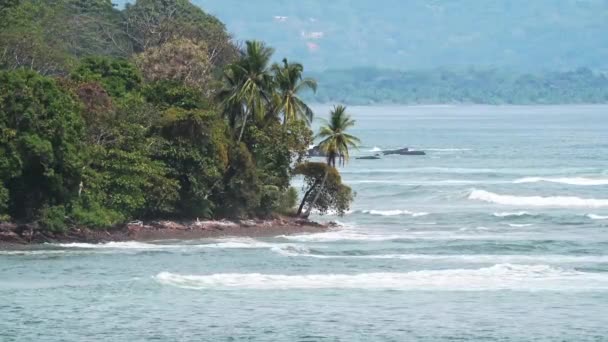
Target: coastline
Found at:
x=15, y=236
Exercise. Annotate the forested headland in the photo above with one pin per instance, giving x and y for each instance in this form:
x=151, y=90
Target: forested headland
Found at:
x=148, y=112
x=364, y=86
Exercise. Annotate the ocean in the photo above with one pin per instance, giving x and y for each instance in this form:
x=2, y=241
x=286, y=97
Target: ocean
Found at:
x=499, y=233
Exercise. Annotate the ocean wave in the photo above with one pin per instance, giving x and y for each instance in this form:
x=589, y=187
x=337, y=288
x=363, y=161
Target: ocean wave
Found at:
x=477, y=234
x=376, y=149
x=513, y=214
x=394, y=212
x=537, y=201
x=597, y=217
x=520, y=225
x=563, y=180
x=227, y=243
x=115, y=245
x=468, y=258
x=494, y=278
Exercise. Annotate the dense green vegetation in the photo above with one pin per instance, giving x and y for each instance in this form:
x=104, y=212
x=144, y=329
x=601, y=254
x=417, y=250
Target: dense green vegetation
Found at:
x=369, y=85
x=109, y=115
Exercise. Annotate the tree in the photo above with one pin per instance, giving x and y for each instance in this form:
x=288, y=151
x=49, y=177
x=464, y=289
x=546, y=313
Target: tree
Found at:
x=30, y=38
x=182, y=61
x=324, y=189
x=153, y=23
x=117, y=76
x=41, y=140
x=290, y=83
x=248, y=85
x=335, y=143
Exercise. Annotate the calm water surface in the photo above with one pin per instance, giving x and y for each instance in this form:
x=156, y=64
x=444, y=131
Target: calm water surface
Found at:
x=500, y=233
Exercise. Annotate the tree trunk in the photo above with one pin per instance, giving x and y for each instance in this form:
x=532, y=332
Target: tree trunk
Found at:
x=306, y=194
x=316, y=198
x=243, y=127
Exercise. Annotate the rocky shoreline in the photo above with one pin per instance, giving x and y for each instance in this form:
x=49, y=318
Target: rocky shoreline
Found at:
x=12, y=235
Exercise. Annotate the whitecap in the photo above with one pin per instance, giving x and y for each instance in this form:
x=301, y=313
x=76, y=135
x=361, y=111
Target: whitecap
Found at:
x=394, y=212
x=537, y=201
x=520, y=225
x=597, y=217
x=509, y=214
x=376, y=149
x=115, y=245
x=564, y=180
x=223, y=243
x=459, y=258
x=497, y=277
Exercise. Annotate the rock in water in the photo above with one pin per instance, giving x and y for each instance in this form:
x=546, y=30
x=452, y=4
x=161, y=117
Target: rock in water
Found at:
x=404, y=152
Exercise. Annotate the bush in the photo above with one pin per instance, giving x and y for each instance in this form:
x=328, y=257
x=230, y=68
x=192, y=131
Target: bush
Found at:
x=288, y=201
x=93, y=215
x=53, y=218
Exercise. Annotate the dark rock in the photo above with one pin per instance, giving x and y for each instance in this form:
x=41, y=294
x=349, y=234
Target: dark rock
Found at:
x=369, y=157
x=315, y=152
x=404, y=152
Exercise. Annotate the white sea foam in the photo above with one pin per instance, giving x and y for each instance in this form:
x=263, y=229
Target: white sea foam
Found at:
x=477, y=234
x=497, y=277
x=537, y=201
x=520, y=225
x=564, y=180
x=376, y=149
x=394, y=212
x=116, y=245
x=457, y=258
x=512, y=214
x=227, y=243
x=597, y=217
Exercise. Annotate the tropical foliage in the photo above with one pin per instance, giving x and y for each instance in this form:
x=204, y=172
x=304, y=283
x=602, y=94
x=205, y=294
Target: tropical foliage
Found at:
x=108, y=116
x=327, y=191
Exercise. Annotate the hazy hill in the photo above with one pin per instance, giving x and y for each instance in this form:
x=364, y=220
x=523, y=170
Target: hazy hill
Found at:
x=412, y=34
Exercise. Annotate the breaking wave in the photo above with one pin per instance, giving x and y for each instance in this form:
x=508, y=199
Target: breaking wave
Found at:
x=537, y=201
x=513, y=214
x=394, y=213
x=467, y=258
x=497, y=277
x=597, y=217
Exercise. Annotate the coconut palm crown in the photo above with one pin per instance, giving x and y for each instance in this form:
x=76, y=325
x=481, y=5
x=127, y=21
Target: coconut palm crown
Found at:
x=335, y=141
x=290, y=83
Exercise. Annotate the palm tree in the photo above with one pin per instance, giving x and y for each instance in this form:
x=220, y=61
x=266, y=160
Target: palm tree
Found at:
x=248, y=85
x=336, y=141
x=290, y=83
x=335, y=144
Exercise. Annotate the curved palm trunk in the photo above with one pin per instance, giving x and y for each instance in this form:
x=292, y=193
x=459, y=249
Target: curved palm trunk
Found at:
x=316, y=198
x=303, y=202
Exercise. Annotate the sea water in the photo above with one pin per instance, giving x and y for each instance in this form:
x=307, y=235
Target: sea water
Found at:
x=499, y=233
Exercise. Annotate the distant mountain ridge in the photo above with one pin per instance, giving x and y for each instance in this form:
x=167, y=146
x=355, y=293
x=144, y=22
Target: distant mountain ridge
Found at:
x=415, y=34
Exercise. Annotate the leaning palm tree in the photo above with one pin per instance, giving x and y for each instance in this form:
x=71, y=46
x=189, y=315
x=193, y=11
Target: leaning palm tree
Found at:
x=290, y=84
x=248, y=85
x=335, y=143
